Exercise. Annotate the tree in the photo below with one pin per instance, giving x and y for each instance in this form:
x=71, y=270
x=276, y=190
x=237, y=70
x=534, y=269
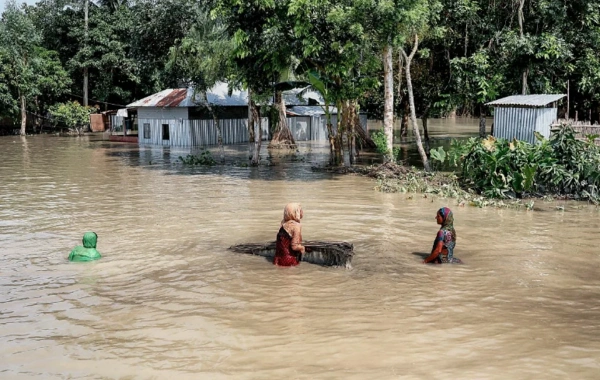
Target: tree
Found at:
x=336, y=51
x=72, y=115
x=104, y=52
x=263, y=53
x=28, y=70
x=202, y=58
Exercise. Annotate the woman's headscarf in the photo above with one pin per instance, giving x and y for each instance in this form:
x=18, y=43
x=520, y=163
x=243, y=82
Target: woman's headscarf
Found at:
x=447, y=221
x=292, y=211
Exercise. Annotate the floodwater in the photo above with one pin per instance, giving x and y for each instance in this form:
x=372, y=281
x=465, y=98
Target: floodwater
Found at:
x=441, y=133
x=169, y=301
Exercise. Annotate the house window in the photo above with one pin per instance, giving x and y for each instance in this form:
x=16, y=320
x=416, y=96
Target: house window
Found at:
x=165, y=131
x=146, y=131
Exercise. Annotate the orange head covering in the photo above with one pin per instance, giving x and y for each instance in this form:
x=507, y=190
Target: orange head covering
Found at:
x=292, y=211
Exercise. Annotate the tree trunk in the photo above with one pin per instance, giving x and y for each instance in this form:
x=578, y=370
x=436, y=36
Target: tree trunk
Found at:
x=466, y=38
x=338, y=157
x=219, y=134
x=23, y=115
x=388, y=108
x=363, y=137
x=399, y=87
x=217, y=126
x=36, y=118
x=354, y=127
x=85, y=69
x=521, y=17
x=250, y=125
x=522, y=34
x=425, y=119
x=282, y=137
x=257, y=134
x=411, y=100
x=404, y=122
x=568, y=100
x=481, y=122
x=525, y=73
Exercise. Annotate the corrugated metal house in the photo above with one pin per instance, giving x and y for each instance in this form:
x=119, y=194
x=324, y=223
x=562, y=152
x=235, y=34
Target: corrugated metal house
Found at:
x=310, y=122
x=178, y=117
x=519, y=116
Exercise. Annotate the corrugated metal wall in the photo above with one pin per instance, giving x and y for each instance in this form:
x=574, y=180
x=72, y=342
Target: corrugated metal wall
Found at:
x=162, y=113
x=195, y=132
x=235, y=131
x=116, y=123
x=546, y=118
x=520, y=123
x=314, y=128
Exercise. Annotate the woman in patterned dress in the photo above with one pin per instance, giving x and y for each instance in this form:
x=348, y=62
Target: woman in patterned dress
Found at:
x=289, y=248
x=445, y=240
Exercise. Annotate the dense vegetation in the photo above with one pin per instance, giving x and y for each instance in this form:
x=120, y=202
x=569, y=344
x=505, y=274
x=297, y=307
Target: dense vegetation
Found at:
x=393, y=58
x=497, y=168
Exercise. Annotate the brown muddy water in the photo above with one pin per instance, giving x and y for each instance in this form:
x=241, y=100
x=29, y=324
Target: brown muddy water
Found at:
x=169, y=301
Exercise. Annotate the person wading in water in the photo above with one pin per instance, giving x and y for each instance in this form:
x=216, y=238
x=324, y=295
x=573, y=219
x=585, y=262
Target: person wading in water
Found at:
x=289, y=248
x=445, y=240
x=88, y=251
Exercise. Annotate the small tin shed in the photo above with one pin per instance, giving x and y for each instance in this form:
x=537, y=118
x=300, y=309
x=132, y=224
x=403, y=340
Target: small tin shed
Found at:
x=519, y=116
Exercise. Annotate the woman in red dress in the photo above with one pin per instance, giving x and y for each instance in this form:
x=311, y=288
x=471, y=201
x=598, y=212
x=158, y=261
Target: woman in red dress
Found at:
x=289, y=249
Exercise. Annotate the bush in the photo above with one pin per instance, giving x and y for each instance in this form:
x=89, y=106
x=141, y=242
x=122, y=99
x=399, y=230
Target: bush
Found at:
x=498, y=168
x=380, y=140
x=71, y=114
x=203, y=158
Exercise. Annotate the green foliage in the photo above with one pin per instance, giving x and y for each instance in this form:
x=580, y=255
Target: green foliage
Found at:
x=72, y=115
x=380, y=140
x=204, y=158
x=497, y=168
x=27, y=71
x=471, y=51
x=204, y=55
x=438, y=154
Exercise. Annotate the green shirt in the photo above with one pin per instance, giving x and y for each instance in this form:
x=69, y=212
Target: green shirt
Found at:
x=88, y=251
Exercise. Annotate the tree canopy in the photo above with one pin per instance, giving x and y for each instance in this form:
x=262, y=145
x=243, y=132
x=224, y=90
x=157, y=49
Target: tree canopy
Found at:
x=469, y=51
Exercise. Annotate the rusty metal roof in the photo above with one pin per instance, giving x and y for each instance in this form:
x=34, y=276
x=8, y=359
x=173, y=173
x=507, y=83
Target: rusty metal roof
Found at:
x=535, y=100
x=218, y=95
x=184, y=97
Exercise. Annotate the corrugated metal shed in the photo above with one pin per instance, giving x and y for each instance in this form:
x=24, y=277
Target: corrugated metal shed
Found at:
x=520, y=116
x=535, y=100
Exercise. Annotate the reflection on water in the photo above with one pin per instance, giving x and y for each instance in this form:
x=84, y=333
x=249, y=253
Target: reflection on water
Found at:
x=168, y=301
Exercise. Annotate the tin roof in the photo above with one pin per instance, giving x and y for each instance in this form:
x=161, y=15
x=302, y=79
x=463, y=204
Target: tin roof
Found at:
x=217, y=95
x=309, y=110
x=301, y=96
x=184, y=97
x=536, y=100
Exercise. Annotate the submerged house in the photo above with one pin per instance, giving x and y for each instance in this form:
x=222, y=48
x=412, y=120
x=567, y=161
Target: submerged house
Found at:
x=306, y=115
x=519, y=116
x=178, y=117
